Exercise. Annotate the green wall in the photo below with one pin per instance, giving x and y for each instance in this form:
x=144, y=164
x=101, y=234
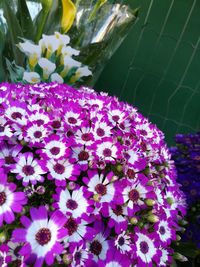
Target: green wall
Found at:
x=157, y=68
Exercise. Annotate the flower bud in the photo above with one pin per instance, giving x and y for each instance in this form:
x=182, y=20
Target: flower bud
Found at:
x=40, y=190
x=96, y=197
x=153, y=218
x=178, y=238
x=150, y=202
x=2, y=237
x=67, y=259
x=134, y=220
x=183, y=222
x=71, y=186
x=180, y=257
x=23, y=142
x=119, y=168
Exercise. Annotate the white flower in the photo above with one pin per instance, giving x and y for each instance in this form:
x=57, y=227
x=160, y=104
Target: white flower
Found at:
x=31, y=77
x=63, y=38
x=49, y=42
x=83, y=72
x=70, y=62
x=107, y=151
x=145, y=248
x=69, y=51
x=74, y=204
x=55, y=77
x=123, y=243
x=47, y=66
x=30, y=49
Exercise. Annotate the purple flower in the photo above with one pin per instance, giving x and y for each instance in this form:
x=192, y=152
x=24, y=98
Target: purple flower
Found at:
x=10, y=201
x=41, y=236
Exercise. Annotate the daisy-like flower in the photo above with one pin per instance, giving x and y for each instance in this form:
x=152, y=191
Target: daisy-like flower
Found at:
x=101, y=130
x=17, y=113
x=5, y=258
x=82, y=156
x=166, y=231
x=61, y=170
x=102, y=189
x=8, y=153
x=106, y=150
x=84, y=136
x=54, y=148
x=28, y=169
x=35, y=133
x=10, y=201
x=72, y=118
x=135, y=159
x=80, y=257
x=166, y=258
x=123, y=243
x=136, y=192
x=116, y=116
x=41, y=235
x=78, y=231
x=74, y=204
x=146, y=248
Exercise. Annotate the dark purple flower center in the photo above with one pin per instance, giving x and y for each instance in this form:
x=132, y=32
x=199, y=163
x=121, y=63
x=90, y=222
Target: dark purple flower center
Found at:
x=40, y=122
x=107, y=152
x=1, y=129
x=28, y=170
x=59, y=168
x=144, y=247
x=101, y=189
x=43, y=236
x=162, y=230
x=71, y=226
x=100, y=132
x=72, y=120
x=131, y=173
x=115, y=118
x=78, y=256
x=71, y=204
x=86, y=137
x=96, y=247
x=122, y=126
x=9, y=160
x=118, y=210
x=143, y=132
x=83, y=155
x=56, y=124
x=121, y=241
x=16, y=115
x=37, y=134
x=2, y=198
x=55, y=150
x=134, y=195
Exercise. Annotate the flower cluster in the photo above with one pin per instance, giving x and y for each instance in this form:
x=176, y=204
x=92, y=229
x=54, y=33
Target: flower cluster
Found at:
x=186, y=155
x=51, y=60
x=86, y=180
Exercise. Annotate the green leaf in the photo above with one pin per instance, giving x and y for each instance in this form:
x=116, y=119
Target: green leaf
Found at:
x=15, y=30
x=16, y=72
x=25, y=19
x=188, y=249
x=2, y=45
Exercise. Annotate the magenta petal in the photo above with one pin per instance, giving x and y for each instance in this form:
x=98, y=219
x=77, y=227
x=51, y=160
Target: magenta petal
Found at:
x=58, y=218
x=62, y=233
x=39, y=262
x=9, y=217
x=19, y=235
x=25, y=221
x=49, y=258
x=16, y=207
x=38, y=214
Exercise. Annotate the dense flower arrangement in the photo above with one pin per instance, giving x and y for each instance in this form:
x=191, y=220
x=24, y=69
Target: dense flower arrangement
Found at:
x=186, y=155
x=85, y=181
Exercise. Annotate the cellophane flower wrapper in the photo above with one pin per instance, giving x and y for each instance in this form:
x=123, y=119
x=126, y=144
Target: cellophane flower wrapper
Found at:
x=86, y=180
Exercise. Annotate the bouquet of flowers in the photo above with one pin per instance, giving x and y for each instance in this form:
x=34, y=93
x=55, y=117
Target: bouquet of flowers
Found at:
x=186, y=155
x=85, y=180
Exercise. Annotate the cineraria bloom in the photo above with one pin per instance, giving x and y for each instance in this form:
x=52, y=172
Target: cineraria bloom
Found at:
x=9, y=152
x=136, y=192
x=146, y=248
x=28, y=169
x=54, y=148
x=166, y=230
x=123, y=243
x=10, y=201
x=61, y=170
x=78, y=231
x=41, y=236
x=100, y=187
x=107, y=150
x=74, y=204
x=102, y=171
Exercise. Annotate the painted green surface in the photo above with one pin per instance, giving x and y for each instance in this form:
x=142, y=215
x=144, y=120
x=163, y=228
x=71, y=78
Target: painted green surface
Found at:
x=157, y=68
